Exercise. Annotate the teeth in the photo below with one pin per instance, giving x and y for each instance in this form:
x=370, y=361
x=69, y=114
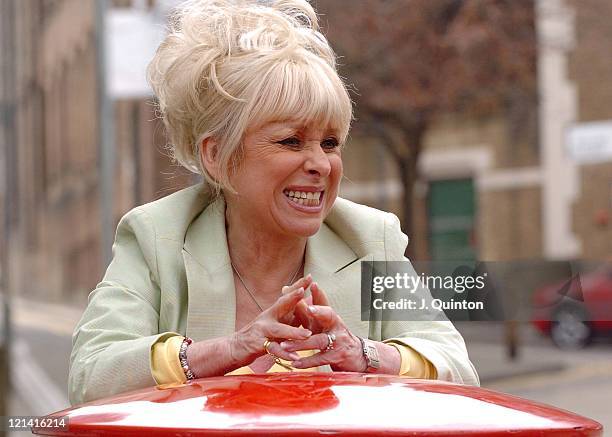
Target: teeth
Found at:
x=308, y=198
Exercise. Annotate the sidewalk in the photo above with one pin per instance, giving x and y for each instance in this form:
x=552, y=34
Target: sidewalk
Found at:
x=55, y=318
x=488, y=352
x=40, y=348
x=493, y=365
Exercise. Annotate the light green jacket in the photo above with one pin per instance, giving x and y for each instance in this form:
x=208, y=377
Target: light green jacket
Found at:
x=171, y=273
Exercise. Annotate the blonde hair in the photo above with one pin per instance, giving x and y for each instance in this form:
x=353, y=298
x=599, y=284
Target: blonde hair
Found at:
x=231, y=65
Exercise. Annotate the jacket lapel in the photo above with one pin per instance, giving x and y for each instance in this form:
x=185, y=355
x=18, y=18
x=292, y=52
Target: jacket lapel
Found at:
x=211, y=293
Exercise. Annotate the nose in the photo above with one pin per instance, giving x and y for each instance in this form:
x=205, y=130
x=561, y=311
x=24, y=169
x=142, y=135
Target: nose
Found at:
x=317, y=162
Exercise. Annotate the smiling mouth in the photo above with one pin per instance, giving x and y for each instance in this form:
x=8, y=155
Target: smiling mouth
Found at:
x=306, y=198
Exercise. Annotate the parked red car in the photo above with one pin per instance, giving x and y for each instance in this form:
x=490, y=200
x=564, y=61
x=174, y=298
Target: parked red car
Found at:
x=573, y=312
x=315, y=404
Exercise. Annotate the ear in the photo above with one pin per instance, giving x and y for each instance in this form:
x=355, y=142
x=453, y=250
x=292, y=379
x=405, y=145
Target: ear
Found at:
x=209, y=156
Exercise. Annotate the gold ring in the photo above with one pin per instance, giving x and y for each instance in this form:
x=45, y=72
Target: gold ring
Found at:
x=266, y=345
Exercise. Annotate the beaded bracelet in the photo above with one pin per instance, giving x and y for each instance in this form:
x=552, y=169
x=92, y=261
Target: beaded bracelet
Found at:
x=183, y=358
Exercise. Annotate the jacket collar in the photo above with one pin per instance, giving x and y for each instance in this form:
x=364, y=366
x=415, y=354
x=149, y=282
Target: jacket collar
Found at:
x=211, y=309
x=211, y=292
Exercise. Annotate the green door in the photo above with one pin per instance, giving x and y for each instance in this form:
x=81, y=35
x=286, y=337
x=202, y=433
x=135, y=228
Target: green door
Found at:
x=451, y=220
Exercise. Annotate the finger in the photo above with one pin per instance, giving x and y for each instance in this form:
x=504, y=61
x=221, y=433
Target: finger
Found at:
x=275, y=349
x=301, y=313
x=286, y=303
x=318, y=295
x=320, y=359
x=288, y=318
x=324, y=316
x=317, y=341
x=282, y=332
x=302, y=282
x=293, y=320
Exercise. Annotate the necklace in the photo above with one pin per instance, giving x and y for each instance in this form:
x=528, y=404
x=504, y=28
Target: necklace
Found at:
x=251, y=293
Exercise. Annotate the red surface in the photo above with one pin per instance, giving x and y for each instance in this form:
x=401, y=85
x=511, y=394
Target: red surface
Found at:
x=302, y=404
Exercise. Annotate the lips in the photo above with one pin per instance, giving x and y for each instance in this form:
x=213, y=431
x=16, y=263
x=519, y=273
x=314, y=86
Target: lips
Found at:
x=306, y=198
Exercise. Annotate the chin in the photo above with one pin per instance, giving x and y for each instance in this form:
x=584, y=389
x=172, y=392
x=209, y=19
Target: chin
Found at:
x=305, y=230
x=301, y=228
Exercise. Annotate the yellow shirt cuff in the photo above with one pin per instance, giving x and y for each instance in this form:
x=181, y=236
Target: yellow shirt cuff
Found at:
x=165, y=365
x=414, y=364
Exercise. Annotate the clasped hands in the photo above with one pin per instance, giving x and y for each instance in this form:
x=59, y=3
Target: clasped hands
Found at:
x=295, y=322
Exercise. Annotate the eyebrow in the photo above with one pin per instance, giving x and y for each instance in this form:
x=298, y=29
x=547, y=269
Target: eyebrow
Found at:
x=296, y=126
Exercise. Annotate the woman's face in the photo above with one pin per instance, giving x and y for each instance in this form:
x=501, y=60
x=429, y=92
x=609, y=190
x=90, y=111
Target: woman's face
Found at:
x=288, y=179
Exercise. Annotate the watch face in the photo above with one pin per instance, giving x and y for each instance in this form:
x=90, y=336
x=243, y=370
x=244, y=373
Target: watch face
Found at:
x=371, y=355
x=374, y=351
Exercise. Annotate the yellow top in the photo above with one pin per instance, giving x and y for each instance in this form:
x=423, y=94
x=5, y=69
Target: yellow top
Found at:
x=166, y=367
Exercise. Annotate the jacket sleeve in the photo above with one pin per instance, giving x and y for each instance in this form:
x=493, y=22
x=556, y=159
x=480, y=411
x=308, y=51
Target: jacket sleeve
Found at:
x=436, y=338
x=111, y=345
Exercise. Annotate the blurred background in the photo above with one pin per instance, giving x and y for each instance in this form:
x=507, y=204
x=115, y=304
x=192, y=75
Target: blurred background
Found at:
x=485, y=125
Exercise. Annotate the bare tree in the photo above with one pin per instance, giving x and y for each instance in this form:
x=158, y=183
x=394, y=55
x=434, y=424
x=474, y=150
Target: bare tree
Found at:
x=414, y=60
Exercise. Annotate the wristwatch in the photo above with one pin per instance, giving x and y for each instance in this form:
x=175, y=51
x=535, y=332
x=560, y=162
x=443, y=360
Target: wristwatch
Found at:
x=371, y=354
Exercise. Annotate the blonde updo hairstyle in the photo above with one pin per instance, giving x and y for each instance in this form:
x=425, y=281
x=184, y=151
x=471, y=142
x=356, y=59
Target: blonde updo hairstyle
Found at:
x=231, y=65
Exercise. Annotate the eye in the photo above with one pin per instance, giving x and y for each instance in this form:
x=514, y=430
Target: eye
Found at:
x=330, y=143
x=291, y=142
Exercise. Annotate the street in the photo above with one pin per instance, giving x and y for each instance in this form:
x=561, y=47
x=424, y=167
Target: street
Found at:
x=583, y=387
x=40, y=351
x=578, y=381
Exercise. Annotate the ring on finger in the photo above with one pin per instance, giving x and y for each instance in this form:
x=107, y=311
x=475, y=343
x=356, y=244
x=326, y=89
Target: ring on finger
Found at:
x=331, y=339
x=266, y=345
x=277, y=360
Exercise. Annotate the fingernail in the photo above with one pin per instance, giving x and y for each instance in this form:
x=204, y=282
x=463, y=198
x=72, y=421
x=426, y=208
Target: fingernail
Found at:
x=294, y=357
x=312, y=309
x=307, y=333
x=284, y=345
x=300, y=290
x=309, y=276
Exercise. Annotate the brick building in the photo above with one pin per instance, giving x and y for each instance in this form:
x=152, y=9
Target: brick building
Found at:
x=488, y=193
x=50, y=142
x=589, y=68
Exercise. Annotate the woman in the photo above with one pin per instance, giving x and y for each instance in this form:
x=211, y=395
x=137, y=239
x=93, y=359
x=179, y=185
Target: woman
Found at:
x=251, y=99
